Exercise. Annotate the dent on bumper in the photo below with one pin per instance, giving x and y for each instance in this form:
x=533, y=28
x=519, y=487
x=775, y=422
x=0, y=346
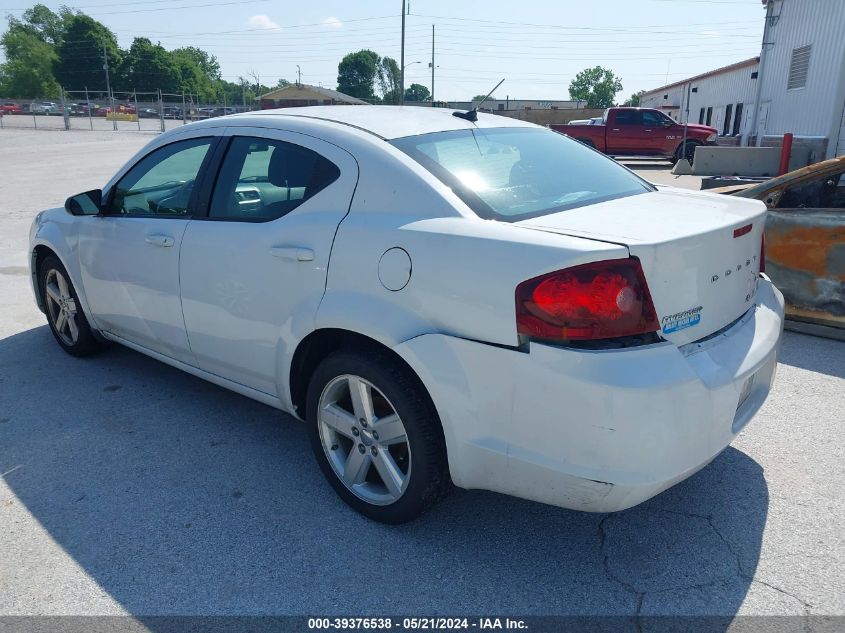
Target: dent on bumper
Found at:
x=596, y=430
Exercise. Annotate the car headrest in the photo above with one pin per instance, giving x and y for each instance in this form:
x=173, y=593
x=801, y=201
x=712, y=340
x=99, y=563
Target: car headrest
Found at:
x=290, y=167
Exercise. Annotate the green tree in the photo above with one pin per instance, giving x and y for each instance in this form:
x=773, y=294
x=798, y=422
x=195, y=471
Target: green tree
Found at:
x=28, y=71
x=480, y=97
x=597, y=86
x=207, y=62
x=356, y=74
x=417, y=92
x=28, y=46
x=50, y=27
x=389, y=80
x=242, y=93
x=634, y=99
x=148, y=67
x=199, y=72
x=79, y=56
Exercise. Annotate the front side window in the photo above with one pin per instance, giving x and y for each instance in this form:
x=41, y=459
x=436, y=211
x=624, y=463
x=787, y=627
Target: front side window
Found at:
x=161, y=183
x=263, y=179
x=511, y=174
x=654, y=119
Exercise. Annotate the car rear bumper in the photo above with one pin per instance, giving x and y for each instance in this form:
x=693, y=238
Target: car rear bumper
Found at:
x=597, y=430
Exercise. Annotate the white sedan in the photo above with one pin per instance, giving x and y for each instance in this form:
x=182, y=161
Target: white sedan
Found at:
x=443, y=300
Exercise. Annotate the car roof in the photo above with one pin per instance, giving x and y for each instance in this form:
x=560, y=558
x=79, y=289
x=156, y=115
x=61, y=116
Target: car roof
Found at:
x=391, y=122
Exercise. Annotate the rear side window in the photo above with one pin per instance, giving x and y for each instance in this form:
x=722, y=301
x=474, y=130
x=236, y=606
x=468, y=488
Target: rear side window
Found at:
x=263, y=179
x=512, y=174
x=628, y=117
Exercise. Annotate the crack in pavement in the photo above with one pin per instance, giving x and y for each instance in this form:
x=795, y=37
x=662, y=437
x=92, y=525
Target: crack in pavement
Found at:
x=640, y=595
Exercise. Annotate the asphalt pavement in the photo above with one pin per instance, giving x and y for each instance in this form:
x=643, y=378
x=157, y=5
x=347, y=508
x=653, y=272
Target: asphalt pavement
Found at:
x=129, y=487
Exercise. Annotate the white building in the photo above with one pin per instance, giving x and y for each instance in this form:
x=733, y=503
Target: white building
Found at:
x=802, y=80
x=723, y=98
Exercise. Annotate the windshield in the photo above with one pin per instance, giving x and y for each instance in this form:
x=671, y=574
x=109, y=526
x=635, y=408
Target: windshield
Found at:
x=511, y=174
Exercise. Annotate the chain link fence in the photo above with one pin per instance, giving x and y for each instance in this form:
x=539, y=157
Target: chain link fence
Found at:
x=118, y=111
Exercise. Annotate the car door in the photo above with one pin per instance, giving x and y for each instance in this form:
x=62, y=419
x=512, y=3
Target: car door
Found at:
x=253, y=271
x=625, y=134
x=656, y=130
x=129, y=254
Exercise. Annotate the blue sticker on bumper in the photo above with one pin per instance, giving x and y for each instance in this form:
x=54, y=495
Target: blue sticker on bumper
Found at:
x=683, y=324
x=682, y=320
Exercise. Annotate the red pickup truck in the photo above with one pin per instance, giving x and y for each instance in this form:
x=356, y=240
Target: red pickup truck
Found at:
x=640, y=132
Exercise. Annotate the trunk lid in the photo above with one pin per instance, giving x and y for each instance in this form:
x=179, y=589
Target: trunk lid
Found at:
x=701, y=276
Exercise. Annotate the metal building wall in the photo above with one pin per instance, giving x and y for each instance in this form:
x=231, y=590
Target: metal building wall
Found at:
x=719, y=91
x=817, y=109
x=715, y=91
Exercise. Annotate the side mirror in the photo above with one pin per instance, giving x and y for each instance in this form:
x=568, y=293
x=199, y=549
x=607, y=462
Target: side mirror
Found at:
x=665, y=123
x=88, y=203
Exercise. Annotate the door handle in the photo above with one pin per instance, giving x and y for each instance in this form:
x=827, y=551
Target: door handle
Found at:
x=292, y=253
x=616, y=129
x=160, y=240
x=648, y=130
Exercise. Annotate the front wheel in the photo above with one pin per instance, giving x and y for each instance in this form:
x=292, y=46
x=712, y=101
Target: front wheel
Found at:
x=376, y=436
x=686, y=151
x=64, y=313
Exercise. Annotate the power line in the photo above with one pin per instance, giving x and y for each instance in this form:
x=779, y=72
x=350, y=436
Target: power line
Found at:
x=556, y=26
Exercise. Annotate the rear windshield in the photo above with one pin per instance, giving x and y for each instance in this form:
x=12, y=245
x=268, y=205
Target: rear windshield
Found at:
x=511, y=174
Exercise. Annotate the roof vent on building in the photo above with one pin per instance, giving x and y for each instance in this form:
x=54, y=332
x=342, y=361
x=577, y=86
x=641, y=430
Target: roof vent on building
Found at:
x=798, y=68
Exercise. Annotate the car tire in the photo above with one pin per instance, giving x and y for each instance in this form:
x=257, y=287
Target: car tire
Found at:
x=381, y=476
x=686, y=150
x=64, y=312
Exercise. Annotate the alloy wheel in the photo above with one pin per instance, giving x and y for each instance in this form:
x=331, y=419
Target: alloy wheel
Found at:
x=61, y=307
x=364, y=440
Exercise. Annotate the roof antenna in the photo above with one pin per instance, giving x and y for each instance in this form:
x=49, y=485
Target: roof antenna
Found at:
x=472, y=115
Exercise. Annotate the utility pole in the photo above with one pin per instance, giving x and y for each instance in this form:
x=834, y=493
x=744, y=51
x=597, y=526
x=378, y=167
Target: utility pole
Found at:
x=298, y=76
x=760, y=70
x=402, y=61
x=686, y=124
x=106, y=68
x=432, y=65
x=108, y=86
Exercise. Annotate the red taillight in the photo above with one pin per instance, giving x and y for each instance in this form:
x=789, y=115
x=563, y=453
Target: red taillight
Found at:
x=599, y=300
x=763, y=254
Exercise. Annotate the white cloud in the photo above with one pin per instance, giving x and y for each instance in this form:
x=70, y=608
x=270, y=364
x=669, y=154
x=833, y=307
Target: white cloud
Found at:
x=333, y=22
x=261, y=21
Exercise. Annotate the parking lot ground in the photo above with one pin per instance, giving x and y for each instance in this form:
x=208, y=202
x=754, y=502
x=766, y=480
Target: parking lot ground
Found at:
x=128, y=487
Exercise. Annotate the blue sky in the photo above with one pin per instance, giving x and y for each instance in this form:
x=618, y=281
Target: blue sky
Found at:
x=536, y=45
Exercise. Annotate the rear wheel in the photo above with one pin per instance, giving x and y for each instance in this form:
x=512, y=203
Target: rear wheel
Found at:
x=376, y=436
x=64, y=313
